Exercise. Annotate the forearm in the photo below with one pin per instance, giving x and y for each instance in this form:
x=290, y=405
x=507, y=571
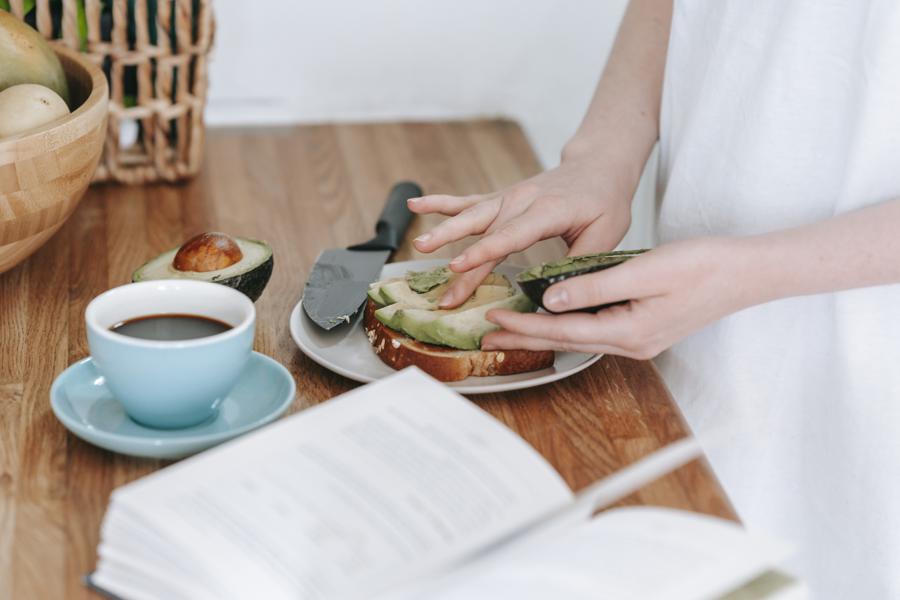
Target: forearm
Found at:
x=622, y=123
x=683, y=286
x=852, y=250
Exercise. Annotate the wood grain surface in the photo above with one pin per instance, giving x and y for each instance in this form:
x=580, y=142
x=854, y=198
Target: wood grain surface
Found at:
x=44, y=172
x=302, y=189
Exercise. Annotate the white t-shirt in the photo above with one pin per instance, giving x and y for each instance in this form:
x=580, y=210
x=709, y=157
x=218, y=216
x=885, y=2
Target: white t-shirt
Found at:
x=778, y=113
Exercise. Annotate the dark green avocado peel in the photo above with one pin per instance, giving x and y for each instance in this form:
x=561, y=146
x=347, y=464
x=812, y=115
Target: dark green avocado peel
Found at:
x=535, y=280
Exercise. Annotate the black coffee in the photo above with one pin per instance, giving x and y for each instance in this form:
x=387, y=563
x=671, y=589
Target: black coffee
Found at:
x=170, y=328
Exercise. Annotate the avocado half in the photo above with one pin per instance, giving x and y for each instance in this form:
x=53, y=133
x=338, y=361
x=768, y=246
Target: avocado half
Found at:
x=249, y=275
x=534, y=281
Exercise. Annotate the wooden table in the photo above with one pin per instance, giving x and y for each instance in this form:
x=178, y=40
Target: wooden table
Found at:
x=302, y=189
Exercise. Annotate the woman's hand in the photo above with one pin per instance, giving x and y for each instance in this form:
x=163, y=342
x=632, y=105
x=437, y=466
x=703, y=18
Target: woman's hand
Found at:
x=671, y=291
x=587, y=199
x=577, y=201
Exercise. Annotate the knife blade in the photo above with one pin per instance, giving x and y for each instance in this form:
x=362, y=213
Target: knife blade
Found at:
x=340, y=277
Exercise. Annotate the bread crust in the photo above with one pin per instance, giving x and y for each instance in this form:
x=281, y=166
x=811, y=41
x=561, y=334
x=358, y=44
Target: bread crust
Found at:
x=399, y=351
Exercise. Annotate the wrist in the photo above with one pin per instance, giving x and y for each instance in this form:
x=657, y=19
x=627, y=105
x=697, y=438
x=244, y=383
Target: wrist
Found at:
x=578, y=149
x=610, y=168
x=757, y=275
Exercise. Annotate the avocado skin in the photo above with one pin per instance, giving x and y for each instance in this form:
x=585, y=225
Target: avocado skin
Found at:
x=534, y=286
x=253, y=282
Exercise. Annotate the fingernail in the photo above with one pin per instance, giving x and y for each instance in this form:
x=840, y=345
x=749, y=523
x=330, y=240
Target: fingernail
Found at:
x=423, y=238
x=458, y=260
x=446, y=301
x=556, y=299
x=488, y=346
x=413, y=200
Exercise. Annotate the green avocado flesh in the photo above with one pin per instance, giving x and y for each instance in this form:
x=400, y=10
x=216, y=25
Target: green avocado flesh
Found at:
x=249, y=275
x=423, y=281
x=400, y=292
x=374, y=292
x=417, y=315
x=465, y=329
x=435, y=281
x=576, y=264
x=418, y=323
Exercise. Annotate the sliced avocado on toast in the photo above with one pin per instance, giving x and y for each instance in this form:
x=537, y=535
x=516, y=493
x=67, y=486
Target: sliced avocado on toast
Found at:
x=399, y=292
x=374, y=292
x=387, y=314
x=418, y=323
x=424, y=281
x=416, y=313
x=465, y=329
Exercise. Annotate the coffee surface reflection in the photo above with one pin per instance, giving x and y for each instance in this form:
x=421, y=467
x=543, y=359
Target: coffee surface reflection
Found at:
x=170, y=328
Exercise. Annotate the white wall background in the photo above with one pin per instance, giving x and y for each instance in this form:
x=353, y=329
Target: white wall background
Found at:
x=285, y=61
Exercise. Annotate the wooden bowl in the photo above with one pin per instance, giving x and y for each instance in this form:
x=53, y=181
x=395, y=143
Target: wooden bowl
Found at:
x=45, y=171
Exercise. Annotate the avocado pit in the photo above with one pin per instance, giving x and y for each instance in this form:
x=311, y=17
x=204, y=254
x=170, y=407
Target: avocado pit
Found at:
x=207, y=252
x=240, y=263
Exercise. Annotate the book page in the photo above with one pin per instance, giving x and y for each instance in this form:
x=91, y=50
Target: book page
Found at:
x=627, y=553
x=771, y=585
x=345, y=498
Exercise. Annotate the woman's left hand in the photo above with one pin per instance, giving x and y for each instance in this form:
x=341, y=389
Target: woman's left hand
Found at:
x=671, y=292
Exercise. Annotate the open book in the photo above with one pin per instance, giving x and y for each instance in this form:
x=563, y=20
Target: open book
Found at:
x=403, y=489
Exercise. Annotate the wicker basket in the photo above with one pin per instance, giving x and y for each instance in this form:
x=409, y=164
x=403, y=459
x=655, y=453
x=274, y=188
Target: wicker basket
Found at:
x=155, y=54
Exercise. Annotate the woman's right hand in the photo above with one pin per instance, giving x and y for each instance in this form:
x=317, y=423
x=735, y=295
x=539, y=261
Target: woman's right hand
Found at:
x=578, y=201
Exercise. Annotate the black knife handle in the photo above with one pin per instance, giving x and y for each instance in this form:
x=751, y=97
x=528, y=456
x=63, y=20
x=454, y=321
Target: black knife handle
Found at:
x=394, y=219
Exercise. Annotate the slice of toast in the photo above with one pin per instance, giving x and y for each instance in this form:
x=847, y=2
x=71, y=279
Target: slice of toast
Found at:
x=447, y=364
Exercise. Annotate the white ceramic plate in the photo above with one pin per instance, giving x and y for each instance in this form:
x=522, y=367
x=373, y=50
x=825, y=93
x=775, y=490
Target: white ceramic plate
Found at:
x=346, y=351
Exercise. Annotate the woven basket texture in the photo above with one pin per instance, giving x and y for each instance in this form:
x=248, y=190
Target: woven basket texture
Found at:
x=155, y=54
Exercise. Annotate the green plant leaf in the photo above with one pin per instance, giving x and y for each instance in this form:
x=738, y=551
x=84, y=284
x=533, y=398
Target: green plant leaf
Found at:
x=82, y=25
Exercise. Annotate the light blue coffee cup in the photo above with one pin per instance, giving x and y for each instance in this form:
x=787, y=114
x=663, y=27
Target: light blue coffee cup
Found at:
x=170, y=384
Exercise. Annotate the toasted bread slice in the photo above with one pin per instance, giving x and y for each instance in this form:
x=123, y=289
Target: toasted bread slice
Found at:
x=447, y=364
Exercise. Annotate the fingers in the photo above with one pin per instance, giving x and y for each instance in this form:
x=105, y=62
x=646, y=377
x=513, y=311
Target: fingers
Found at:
x=600, y=236
x=443, y=203
x=627, y=281
x=610, y=327
x=518, y=234
x=620, y=330
x=472, y=221
x=464, y=285
x=505, y=340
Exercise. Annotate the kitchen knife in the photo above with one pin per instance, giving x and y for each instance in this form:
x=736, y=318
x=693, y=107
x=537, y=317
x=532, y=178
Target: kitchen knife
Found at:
x=340, y=278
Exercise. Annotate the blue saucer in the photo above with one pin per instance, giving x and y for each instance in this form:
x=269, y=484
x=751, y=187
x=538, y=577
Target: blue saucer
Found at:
x=82, y=402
